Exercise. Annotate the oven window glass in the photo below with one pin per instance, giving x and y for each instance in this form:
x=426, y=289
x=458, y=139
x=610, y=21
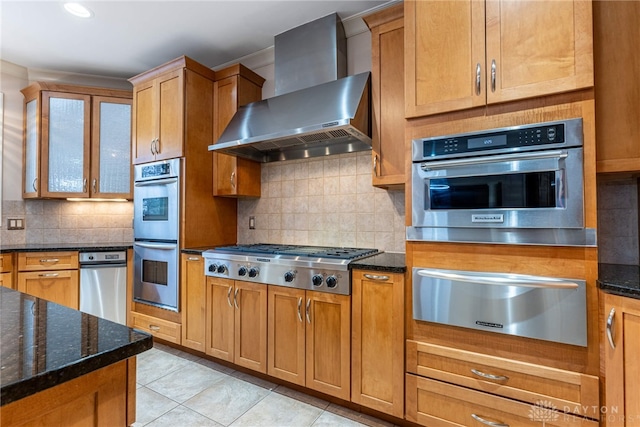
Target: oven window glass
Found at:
x=518, y=190
x=155, y=209
x=155, y=272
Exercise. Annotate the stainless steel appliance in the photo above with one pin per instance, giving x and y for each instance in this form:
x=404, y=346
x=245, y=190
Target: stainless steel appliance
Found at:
x=156, y=213
x=552, y=309
x=522, y=184
x=103, y=284
x=316, y=268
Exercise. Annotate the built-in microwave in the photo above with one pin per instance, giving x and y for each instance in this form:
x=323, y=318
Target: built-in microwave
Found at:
x=522, y=183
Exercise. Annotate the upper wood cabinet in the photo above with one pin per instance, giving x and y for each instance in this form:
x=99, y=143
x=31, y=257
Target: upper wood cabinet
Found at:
x=617, y=85
x=77, y=142
x=465, y=54
x=234, y=176
x=387, y=90
x=169, y=101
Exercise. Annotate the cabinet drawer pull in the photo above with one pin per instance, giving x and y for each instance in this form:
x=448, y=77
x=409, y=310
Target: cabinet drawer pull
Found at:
x=307, y=311
x=48, y=275
x=193, y=258
x=489, y=376
x=487, y=422
x=229, y=297
x=478, y=78
x=381, y=278
x=300, y=310
x=49, y=260
x=154, y=328
x=610, y=325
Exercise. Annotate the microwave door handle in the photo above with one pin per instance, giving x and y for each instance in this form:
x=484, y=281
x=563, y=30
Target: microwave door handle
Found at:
x=500, y=279
x=535, y=155
x=156, y=182
x=171, y=246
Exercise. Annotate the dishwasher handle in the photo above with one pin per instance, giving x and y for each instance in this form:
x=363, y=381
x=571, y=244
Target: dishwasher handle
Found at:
x=103, y=265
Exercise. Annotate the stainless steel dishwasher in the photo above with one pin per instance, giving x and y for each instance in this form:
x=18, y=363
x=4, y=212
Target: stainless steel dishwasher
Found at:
x=103, y=284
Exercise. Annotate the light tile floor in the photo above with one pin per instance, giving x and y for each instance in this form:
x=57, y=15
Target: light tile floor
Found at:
x=176, y=388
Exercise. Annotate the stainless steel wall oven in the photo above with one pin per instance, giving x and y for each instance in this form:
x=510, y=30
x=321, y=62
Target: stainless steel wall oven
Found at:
x=522, y=184
x=156, y=200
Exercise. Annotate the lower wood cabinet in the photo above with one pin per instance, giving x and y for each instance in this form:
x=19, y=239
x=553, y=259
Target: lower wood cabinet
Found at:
x=193, y=294
x=50, y=275
x=621, y=360
x=308, y=342
x=377, y=340
x=236, y=322
x=160, y=328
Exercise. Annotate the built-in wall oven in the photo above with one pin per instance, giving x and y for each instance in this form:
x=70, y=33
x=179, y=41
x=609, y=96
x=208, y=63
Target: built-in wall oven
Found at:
x=156, y=199
x=521, y=184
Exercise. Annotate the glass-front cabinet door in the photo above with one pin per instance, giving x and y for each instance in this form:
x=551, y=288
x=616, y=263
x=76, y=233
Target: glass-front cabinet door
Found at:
x=30, y=182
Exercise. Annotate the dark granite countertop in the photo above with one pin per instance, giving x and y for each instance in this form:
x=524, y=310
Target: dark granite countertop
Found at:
x=196, y=251
x=385, y=261
x=620, y=279
x=43, y=344
x=46, y=247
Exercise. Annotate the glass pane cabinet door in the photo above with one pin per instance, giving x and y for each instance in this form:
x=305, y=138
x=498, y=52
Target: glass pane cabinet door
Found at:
x=31, y=150
x=67, y=143
x=113, y=144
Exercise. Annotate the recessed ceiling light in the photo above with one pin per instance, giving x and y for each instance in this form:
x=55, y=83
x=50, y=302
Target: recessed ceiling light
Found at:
x=78, y=10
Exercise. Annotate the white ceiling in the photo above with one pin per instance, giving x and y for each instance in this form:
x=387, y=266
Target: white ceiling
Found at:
x=125, y=38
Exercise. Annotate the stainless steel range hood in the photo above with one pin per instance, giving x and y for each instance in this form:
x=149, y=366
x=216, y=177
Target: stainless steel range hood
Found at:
x=330, y=114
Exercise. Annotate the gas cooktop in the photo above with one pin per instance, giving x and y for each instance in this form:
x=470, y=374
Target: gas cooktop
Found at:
x=318, y=268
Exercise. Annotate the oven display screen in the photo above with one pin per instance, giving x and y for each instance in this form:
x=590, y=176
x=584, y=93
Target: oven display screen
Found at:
x=486, y=142
x=156, y=272
x=155, y=209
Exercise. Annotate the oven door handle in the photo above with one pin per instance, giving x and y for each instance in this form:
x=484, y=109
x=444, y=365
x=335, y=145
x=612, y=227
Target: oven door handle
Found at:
x=535, y=155
x=162, y=181
x=501, y=279
x=162, y=246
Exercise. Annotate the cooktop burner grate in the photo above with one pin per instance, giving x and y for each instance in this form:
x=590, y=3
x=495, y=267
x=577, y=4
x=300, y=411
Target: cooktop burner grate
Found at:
x=295, y=250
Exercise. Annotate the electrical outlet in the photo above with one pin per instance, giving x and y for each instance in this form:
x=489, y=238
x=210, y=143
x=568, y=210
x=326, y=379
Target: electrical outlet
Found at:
x=15, y=224
x=252, y=223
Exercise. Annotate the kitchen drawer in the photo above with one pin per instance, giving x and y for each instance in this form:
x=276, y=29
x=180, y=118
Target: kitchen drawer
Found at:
x=6, y=261
x=439, y=404
x=526, y=382
x=163, y=329
x=37, y=261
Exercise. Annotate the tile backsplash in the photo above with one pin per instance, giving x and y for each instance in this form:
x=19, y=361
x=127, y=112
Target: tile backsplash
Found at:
x=618, y=220
x=61, y=221
x=326, y=201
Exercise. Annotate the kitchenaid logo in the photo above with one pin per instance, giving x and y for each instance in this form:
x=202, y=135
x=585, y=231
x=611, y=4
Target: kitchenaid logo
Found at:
x=487, y=218
x=490, y=324
x=263, y=259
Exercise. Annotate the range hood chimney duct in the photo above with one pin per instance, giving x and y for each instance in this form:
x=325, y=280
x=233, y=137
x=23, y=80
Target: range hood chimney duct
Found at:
x=316, y=110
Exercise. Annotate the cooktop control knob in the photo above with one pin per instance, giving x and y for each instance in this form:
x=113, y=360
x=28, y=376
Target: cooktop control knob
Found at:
x=332, y=281
x=222, y=269
x=253, y=272
x=242, y=271
x=316, y=280
x=212, y=268
x=289, y=276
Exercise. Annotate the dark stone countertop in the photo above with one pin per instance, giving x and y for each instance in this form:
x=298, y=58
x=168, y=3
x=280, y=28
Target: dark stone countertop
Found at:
x=196, y=251
x=47, y=247
x=385, y=261
x=43, y=344
x=620, y=279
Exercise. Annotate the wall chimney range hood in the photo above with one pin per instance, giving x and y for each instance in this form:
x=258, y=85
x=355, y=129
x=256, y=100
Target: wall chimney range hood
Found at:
x=317, y=111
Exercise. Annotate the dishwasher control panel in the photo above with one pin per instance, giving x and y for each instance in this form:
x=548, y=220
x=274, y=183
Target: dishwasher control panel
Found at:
x=106, y=257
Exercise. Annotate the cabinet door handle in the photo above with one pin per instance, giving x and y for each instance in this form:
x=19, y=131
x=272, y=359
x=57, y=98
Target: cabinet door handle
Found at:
x=489, y=376
x=34, y=184
x=300, y=310
x=84, y=185
x=157, y=145
x=493, y=75
x=487, y=422
x=381, y=278
x=233, y=179
x=49, y=260
x=153, y=147
x=235, y=298
x=375, y=165
x=48, y=275
x=94, y=185
x=610, y=325
x=229, y=296
x=478, y=79
x=307, y=311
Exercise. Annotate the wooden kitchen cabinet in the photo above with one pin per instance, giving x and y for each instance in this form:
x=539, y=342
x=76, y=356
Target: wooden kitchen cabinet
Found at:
x=169, y=101
x=237, y=322
x=617, y=87
x=377, y=341
x=50, y=275
x=76, y=142
x=465, y=54
x=308, y=342
x=234, y=176
x=193, y=294
x=387, y=94
x=6, y=270
x=621, y=349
